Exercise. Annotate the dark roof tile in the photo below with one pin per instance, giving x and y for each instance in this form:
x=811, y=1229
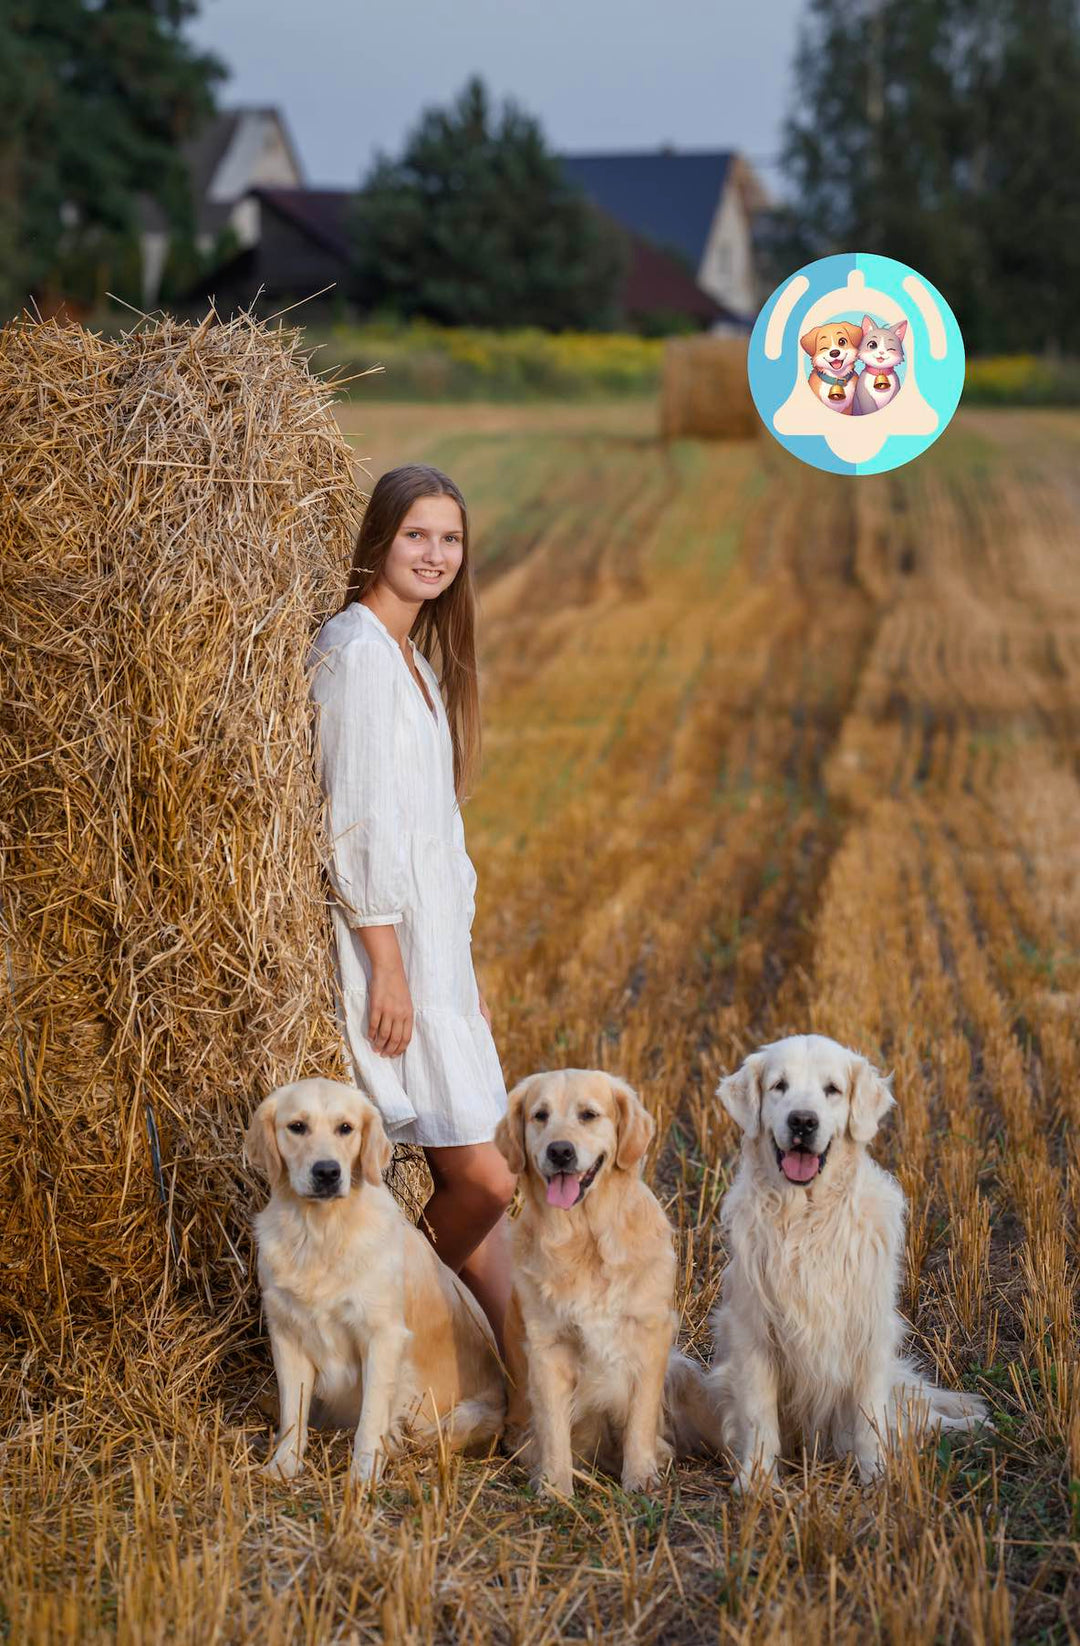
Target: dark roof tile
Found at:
x=667, y=196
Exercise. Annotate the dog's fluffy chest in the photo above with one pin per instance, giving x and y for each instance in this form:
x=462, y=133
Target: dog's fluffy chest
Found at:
x=593, y=1292
x=323, y=1287
x=823, y=1271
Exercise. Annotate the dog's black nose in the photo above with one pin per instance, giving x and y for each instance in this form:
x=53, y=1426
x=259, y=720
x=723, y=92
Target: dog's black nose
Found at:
x=834, y=354
x=562, y=1156
x=325, y=1174
x=802, y=1124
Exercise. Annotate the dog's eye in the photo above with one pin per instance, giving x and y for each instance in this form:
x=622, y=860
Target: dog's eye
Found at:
x=540, y=1115
x=297, y=1126
x=832, y=1089
x=589, y=1114
x=344, y=1129
x=781, y=1085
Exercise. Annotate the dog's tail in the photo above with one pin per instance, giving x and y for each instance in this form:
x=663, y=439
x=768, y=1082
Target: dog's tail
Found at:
x=470, y=1424
x=693, y=1415
x=920, y=1404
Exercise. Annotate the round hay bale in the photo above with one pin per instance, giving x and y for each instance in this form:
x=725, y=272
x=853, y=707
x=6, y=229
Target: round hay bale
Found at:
x=705, y=392
x=176, y=521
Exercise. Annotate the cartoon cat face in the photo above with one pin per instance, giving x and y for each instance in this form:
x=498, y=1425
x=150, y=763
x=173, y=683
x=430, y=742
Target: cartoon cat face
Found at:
x=882, y=347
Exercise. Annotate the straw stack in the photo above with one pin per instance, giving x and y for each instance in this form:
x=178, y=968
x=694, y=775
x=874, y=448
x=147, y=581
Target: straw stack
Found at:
x=705, y=392
x=176, y=519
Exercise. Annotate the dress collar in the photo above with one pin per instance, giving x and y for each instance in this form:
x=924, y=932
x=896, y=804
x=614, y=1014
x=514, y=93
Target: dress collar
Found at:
x=418, y=657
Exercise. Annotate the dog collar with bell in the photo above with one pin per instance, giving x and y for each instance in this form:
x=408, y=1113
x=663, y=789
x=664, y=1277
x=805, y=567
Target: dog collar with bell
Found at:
x=825, y=378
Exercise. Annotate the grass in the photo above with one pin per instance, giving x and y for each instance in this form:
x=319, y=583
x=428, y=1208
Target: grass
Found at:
x=835, y=789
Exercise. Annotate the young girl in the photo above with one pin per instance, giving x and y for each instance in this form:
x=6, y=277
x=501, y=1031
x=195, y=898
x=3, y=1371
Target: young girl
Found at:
x=395, y=760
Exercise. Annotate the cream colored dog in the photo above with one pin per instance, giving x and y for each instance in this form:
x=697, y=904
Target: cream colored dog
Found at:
x=806, y=1338
x=361, y=1312
x=591, y=1321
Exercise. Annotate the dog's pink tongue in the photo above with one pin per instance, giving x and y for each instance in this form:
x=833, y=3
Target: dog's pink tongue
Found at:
x=798, y=1167
x=562, y=1190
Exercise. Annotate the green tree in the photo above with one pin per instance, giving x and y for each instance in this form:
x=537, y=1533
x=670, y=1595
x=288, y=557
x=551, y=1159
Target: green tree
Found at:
x=476, y=224
x=945, y=133
x=95, y=98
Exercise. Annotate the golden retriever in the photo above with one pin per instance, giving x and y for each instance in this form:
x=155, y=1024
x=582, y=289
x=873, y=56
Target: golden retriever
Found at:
x=591, y=1319
x=361, y=1311
x=806, y=1337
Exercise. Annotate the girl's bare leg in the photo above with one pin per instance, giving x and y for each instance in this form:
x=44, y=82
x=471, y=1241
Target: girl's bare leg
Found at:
x=465, y=1220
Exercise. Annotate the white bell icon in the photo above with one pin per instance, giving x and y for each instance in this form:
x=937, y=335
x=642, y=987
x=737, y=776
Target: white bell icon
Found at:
x=855, y=439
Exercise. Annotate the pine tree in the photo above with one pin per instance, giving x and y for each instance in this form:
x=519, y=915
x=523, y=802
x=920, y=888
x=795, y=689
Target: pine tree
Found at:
x=945, y=133
x=476, y=224
x=95, y=98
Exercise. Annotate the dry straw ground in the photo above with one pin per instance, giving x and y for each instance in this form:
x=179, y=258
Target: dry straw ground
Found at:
x=765, y=750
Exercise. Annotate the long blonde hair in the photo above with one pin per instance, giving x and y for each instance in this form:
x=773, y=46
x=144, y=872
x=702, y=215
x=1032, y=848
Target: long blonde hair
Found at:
x=448, y=621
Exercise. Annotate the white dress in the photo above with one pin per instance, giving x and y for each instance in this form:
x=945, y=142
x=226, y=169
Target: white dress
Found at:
x=398, y=858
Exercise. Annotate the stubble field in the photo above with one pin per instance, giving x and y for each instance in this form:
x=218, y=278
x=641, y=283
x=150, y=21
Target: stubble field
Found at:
x=766, y=750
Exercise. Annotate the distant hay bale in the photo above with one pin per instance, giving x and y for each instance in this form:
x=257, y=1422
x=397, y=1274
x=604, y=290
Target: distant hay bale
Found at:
x=176, y=519
x=705, y=392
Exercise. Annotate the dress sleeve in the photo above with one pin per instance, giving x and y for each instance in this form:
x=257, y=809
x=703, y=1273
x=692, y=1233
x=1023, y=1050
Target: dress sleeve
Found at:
x=353, y=687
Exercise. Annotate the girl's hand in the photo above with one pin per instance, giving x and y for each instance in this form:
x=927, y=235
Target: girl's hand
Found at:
x=485, y=1014
x=390, y=1017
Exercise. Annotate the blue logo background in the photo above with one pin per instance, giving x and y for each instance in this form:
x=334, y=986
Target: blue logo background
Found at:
x=940, y=381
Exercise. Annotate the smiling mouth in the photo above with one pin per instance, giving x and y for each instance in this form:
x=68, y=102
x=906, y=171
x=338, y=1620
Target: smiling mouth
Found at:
x=800, y=1165
x=426, y=576
x=565, y=1189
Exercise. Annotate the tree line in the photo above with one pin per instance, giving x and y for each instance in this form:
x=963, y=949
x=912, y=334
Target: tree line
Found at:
x=944, y=133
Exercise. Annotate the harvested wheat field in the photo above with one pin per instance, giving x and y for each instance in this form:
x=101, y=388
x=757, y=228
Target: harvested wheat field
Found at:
x=765, y=750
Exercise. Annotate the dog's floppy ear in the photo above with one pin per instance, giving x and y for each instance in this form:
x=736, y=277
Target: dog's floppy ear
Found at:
x=808, y=341
x=740, y=1093
x=869, y=1097
x=376, y=1150
x=510, y=1132
x=636, y=1124
x=260, y=1140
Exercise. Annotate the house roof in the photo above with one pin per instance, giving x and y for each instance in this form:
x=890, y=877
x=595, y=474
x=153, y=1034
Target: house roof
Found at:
x=322, y=214
x=654, y=280
x=657, y=283
x=669, y=197
x=219, y=158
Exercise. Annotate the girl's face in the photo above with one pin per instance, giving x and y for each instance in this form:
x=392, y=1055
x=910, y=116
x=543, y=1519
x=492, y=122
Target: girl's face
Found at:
x=424, y=557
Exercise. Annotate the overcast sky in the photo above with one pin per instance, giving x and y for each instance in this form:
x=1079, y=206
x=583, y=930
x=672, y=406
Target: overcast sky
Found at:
x=351, y=76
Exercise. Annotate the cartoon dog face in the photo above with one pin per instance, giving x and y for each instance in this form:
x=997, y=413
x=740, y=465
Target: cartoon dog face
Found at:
x=801, y=1095
x=833, y=348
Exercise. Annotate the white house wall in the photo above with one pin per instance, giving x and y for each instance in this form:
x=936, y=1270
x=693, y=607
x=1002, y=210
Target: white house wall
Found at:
x=726, y=270
x=155, y=249
x=257, y=157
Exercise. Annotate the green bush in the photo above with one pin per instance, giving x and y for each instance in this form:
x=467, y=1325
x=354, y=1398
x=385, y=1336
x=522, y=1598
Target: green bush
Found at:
x=423, y=361
x=1021, y=380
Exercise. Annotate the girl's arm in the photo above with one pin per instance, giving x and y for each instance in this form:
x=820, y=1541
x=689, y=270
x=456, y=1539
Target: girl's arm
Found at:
x=355, y=688
x=390, y=1008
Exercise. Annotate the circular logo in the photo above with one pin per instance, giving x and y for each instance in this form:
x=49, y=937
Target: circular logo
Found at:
x=856, y=363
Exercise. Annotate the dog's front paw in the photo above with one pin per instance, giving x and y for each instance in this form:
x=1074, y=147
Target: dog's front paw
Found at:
x=643, y=1475
x=755, y=1477
x=283, y=1466
x=644, y=1470
x=366, y=1468
x=871, y=1466
x=554, y=1486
